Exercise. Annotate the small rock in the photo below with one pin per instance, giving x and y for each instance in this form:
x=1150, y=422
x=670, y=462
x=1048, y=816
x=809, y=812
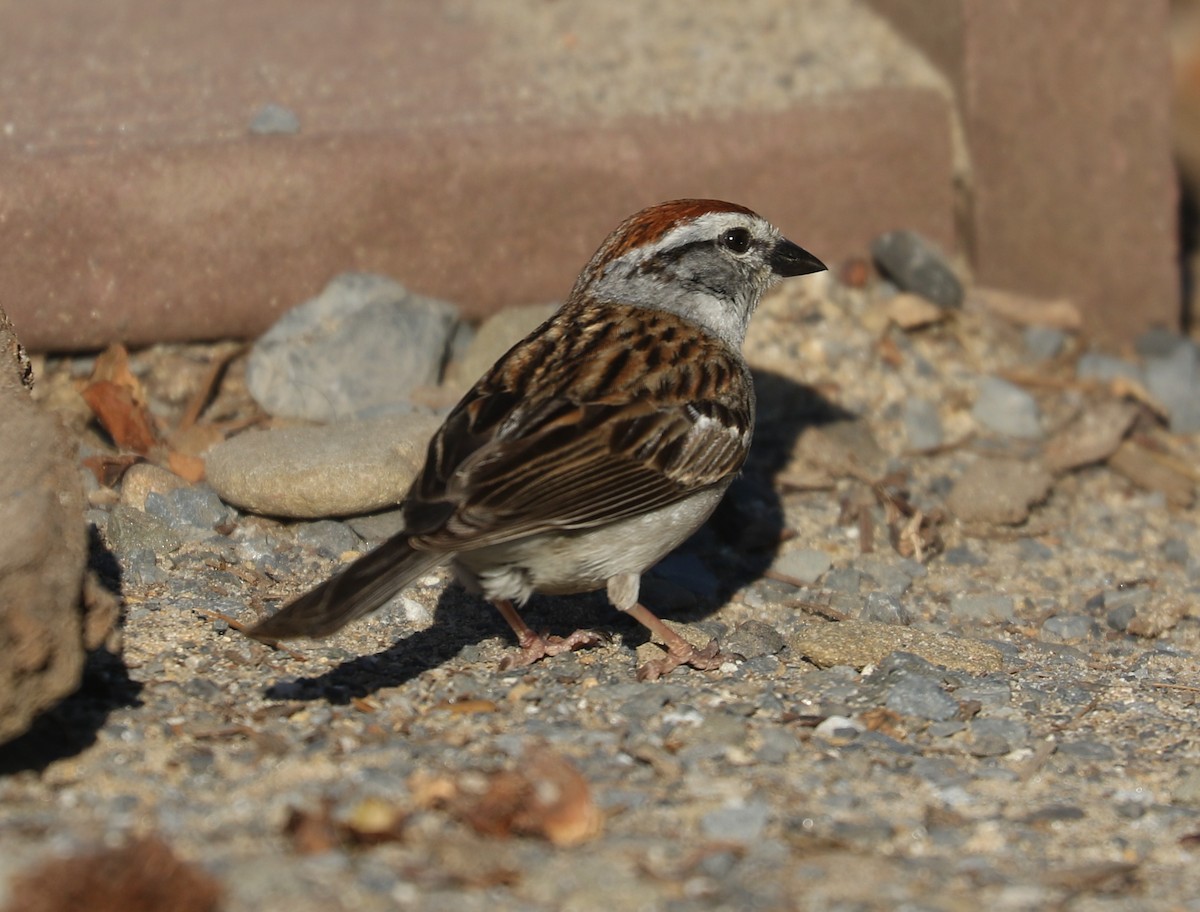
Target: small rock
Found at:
x=844, y=579
x=860, y=643
x=328, y=538
x=1044, y=342
x=921, y=697
x=922, y=424
x=753, y=638
x=312, y=472
x=140, y=568
x=144, y=477
x=838, y=728
x=999, y=491
x=1025, y=310
x=1120, y=617
x=377, y=527
x=963, y=556
x=985, y=606
x=132, y=530
x=1069, y=628
x=917, y=265
x=742, y=823
x=357, y=350
x=1031, y=549
x=1186, y=789
x=1174, y=380
x=996, y=737
x=1176, y=551
x=1007, y=409
x=1158, y=342
x=192, y=512
x=843, y=449
x=883, y=608
x=805, y=564
x=274, y=118
x=1102, y=367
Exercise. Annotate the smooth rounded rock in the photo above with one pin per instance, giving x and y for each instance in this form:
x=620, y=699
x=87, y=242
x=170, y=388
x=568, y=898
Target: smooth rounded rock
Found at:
x=334, y=470
x=356, y=350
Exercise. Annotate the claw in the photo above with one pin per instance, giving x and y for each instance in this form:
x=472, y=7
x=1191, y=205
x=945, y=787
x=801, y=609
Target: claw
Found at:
x=707, y=659
x=535, y=647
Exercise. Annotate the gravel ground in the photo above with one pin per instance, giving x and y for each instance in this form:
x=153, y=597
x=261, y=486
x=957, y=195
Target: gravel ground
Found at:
x=989, y=706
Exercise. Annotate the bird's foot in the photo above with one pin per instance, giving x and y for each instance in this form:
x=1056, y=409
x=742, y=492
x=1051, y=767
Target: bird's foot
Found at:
x=680, y=652
x=533, y=647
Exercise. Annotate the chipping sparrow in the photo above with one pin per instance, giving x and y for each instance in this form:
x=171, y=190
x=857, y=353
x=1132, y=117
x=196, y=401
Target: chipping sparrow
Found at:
x=597, y=444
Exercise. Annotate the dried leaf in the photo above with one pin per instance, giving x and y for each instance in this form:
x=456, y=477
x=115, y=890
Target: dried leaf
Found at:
x=545, y=796
x=911, y=311
x=312, y=832
x=143, y=876
x=1141, y=466
x=1026, y=310
x=109, y=469
x=127, y=421
x=1092, y=437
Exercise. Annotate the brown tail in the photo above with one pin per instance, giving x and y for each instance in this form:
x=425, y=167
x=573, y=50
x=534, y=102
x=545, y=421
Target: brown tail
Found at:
x=355, y=591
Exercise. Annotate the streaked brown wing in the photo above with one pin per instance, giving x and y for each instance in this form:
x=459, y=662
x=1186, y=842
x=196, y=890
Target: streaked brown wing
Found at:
x=617, y=435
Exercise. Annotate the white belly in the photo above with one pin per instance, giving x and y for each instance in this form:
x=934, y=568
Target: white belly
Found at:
x=565, y=563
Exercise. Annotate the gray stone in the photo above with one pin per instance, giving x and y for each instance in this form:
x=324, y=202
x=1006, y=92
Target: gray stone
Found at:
x=922, y=424
x=1102, y=367
x=357, y=350
x=1176, y=551
x=1158, y=342
x=1069, y=628
x=1120, y=617
x=917, y=265
x=1087, y=749
x=274, y=118
x=1044, y=342
x=844, y=579
x=753, y=638
x=140, y=568
x=1174, y=380
x=1007, y=409
x=377, y=527
x=1031, y=549
x=999, y=491
x=860, y=643
x=885, y=608
x=996, y=737
x=192, y=512
x=737, y=822
x=805, y=564
x=312, y=472
x=982, y=606
x=963, y=556
x=990, y=691
x=921, y=697
x=130, y=529
x=892, y=575
x=328, y=538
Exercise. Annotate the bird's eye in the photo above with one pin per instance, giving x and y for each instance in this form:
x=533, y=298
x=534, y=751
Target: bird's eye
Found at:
x=736, y=239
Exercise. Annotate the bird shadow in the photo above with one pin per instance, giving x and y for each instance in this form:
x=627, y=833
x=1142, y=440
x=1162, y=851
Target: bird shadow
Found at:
x=735, y=547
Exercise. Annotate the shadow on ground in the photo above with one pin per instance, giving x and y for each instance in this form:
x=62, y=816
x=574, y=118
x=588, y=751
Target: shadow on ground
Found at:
x=737, y=545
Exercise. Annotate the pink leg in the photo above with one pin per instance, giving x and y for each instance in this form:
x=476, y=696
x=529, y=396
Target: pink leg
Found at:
x=534, y=646
x=679, y=650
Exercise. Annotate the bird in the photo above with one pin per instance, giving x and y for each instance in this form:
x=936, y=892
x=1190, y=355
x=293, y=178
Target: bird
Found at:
x=596, y=445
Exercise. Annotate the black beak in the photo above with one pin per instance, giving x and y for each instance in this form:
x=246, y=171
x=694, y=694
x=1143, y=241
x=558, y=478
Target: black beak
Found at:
x=788, y=259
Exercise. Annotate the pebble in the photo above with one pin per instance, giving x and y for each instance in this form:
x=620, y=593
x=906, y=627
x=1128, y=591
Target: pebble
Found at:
x=846, y=580
x=889, y=574
x=751, y=639
x=738, y=822
x=1176, y=551
x=130, y=529
x=313, y=472
x=356, y=350
x=377, y=527
x=804, y=564
x=1174, y=380
x=143, y=478
x=999, y=491
x=192, y=512
x=1007, y=409
x=139, y=567
x=328, y=537
x=917, y=265
x=885, y=608
x=274, y=118
x=1044, y=342
x=921, y=697
x=1069, y=628
x=996, y=737
x=983, y=606
x=1102, y=367
x=922, y=424
x=1158, y=342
